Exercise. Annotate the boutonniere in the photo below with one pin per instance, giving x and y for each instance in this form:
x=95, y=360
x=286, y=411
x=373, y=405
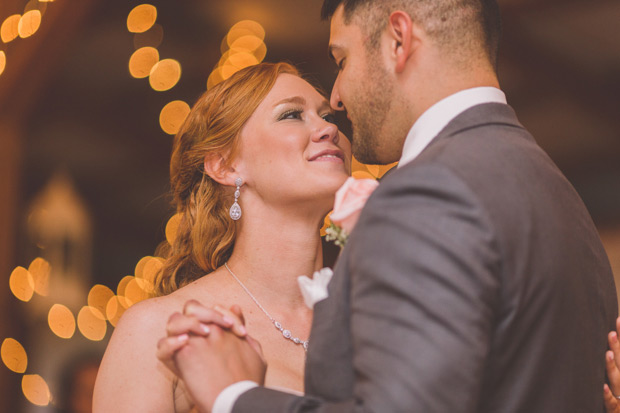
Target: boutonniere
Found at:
x=315, y=289
x=350, y=199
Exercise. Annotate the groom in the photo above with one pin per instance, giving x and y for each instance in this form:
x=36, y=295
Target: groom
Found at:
x=475, y=280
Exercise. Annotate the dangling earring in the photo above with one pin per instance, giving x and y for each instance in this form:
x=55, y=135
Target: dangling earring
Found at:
x=235, y=209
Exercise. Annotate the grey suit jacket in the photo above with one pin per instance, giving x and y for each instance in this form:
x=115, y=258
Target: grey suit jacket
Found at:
x=475, y=281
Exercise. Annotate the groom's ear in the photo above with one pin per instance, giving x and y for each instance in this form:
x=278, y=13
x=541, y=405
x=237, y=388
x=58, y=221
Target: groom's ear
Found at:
x=219, y=169
x=404, y=38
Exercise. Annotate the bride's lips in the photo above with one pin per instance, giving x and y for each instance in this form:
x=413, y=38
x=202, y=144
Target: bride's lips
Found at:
x=329, y=155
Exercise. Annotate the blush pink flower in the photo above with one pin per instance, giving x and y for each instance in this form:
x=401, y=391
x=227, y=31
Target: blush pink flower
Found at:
x=350, y=199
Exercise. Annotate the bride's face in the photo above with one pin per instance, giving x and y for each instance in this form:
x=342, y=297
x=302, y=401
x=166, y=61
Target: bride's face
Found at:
x=291, y=151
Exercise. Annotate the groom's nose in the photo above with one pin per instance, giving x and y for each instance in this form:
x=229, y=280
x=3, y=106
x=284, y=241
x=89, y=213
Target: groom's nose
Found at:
x=334, y=100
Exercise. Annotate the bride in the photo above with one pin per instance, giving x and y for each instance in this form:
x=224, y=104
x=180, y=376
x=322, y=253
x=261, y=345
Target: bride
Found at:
x=254, y=171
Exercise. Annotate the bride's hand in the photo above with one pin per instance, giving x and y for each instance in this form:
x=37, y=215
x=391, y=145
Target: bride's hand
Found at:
x=195, y=321
x=612, y=362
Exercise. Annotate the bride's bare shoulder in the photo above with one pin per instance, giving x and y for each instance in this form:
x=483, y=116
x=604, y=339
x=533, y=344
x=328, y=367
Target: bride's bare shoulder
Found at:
x=130, y=369
x=153, y=313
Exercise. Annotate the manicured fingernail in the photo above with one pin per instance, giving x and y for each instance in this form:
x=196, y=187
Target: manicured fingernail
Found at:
x=614, y=337
x=610, y=356
x=182, y=337
x=243, y=330
x=205, y=329
x=228, y=321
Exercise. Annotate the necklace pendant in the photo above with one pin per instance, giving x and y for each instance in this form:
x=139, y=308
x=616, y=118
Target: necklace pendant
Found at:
x=287, y=334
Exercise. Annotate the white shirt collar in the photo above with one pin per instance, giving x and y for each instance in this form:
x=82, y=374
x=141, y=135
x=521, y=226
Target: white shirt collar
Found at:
x=426, y=128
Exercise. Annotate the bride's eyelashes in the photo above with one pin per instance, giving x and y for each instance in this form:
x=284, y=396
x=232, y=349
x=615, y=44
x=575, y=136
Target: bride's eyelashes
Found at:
x=298, y=113
x=291, y=114
x=330, y=117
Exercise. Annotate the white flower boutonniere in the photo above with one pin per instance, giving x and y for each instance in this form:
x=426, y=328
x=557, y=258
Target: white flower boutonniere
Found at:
x=315, y=289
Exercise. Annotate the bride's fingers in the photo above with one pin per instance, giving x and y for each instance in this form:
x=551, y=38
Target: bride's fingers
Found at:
x=236, y=310
x=612, y=372
x=238, y=326
x=206, y=315
x=167, y=347
x=180, y=324
x=611, y=403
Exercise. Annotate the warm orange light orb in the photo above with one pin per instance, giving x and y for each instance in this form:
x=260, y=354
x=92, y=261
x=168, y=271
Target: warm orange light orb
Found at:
x=91, y=323
x=61, y=321
x=2, y=61
x=115, y=309
x=9, y=29
x=244, y=28
x=21, y=284
x=13, y=355
x=36, y=389
x=29, y=23
x=40, y=270
x=173, y=115
x=141, y=18
x=172, y=227
x=142, y=61
x=165, y=75
x=98, y=298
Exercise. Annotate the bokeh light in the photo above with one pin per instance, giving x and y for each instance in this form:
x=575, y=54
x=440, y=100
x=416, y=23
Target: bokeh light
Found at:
x=114, y=310
x=61, y=321
x=98, y=298
x=13, y=355
x=244, y=28
x=241, y=60
x=362, y=175
x=122, y=284
x=9, y=29
x=138, y=271
x=29, y=23
x=36, y=389
x=165, y=74
x=247, y=42
x=172, y=227
x=215, y=77
x=91, y=323
x=21, y=284
x=243, y=46
x=135, y=291
x=142, y=61
x=2, y=61
x=150, y=273
x=40, y=270
x=173, y=115
x=141, y=18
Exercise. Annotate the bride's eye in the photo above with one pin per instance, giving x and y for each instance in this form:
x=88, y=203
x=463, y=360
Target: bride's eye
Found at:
x=330, y=117
x=291, y=114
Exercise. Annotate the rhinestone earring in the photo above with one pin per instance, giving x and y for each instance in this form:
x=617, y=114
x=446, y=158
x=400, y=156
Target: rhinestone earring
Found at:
x=235, y=209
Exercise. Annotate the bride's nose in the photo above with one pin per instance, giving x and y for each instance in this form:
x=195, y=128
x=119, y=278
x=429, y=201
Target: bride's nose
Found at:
x=326, y=132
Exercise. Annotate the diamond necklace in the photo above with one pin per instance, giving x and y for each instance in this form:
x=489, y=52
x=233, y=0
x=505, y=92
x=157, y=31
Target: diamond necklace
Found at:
x=285, y=333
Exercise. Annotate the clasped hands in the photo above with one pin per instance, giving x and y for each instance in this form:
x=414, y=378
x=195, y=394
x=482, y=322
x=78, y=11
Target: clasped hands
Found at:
x=209, y=349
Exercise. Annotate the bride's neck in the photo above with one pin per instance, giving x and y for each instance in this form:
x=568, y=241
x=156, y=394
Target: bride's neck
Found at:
x=273, y=248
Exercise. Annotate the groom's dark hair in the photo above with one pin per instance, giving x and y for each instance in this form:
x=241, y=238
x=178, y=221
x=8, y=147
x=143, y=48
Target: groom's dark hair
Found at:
x=455, y=24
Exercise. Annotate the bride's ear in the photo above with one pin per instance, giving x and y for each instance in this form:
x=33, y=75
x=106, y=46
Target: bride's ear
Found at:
x=219, y=170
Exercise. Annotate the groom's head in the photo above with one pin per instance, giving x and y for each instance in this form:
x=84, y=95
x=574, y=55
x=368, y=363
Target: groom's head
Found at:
x=396, y=58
